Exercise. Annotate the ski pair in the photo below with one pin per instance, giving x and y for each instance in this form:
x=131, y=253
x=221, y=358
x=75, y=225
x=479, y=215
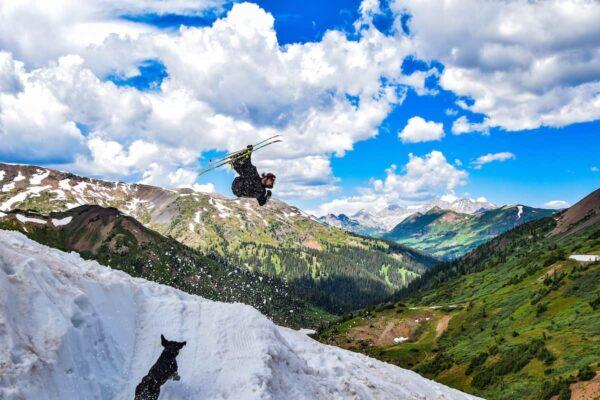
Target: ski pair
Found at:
x=240, y=153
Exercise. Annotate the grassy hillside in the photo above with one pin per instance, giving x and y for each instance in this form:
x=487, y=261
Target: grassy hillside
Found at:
x=448, y=234
x=332, y=268
x=111, y=238
x=513, y=319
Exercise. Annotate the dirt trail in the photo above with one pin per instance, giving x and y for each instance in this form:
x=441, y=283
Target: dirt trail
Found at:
x=586, y=390
x=589, y=390
x=442, y=325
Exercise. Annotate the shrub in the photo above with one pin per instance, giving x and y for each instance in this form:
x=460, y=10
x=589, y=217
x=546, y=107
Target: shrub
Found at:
x=541, y=308
x=512, y=360
x=586, y=373
x=476, y=362
x=564, y=394
x=437, y=364
x=556, y=387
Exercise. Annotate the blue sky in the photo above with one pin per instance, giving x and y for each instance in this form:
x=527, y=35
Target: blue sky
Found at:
x=550, y=164
x=546, y=119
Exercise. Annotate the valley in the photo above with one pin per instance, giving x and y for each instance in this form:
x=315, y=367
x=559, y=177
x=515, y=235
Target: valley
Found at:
x=514, y=318
x=446, y=230
x=514, y=315
x=448, y=235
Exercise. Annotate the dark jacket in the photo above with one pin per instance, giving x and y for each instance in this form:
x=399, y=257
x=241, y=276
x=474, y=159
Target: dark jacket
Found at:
x=248, y=183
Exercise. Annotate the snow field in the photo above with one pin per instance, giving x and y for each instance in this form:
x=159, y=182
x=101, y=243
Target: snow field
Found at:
x=73, y=329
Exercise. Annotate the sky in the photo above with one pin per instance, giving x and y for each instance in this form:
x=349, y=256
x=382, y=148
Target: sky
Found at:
x=378, y=102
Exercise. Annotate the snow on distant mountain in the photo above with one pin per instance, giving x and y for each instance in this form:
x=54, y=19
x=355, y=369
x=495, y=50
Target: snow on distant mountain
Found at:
x=463, y=206
x=73, y=329
x=361, y=226
x=364, y=218
x=384, y=220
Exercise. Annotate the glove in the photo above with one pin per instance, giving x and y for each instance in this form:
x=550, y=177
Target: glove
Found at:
x=248, y=151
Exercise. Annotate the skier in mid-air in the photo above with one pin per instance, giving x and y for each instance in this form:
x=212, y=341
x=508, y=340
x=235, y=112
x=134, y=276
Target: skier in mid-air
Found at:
x=250, y=183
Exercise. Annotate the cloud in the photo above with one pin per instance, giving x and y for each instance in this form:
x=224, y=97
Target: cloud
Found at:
x=491, y=157
x=34, y=124
x=228, y=84
x=557, y=204
x=419, y=130
x=205, y=188
x=462, y=125
x=524, y=64
x=421, y=179
x=594, y=169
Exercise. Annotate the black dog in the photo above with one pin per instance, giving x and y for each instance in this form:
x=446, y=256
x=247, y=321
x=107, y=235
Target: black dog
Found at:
x=165, y=368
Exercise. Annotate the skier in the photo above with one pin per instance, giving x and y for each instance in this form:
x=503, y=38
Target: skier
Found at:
x=250, y=183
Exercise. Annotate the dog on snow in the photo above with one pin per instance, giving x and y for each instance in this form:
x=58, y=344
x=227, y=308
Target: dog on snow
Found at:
x=164, y=369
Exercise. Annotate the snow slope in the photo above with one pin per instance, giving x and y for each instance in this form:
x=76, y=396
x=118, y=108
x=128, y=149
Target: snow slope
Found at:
x=73, y=329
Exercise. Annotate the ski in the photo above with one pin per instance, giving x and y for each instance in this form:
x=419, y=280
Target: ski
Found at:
x=235, y=153
x=233, y=156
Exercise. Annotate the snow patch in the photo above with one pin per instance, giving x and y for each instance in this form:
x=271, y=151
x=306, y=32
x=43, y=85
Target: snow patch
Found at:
x=400, y=339
x=25, y=219
x=19, y=177
x=74, y=329
x=6, y=206
x=80, y=187
x=62, y=222
x=520, y=208
x=2, y=172
x=64, y=184
x=2, y=215
x=8, y=187
x=39, y=177
x=223, y=210
x=585, y=257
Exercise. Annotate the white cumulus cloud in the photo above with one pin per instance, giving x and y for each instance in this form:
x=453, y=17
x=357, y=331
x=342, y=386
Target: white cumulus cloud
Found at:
x=462, y=125
x=228, y=84
x=421, y=179
x=524, y=64
x=419, y=130
x=492, y=157
x=557, y=204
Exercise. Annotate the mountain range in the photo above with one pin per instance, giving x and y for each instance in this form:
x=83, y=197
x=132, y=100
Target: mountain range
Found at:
x=332, y=268
x=448, y=234
x=445, y=228
x=115, y=239
x=384, y=220
x=518, y=317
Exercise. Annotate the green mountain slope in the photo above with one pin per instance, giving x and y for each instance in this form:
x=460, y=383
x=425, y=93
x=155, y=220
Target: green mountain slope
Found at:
x=516, y=318
x=111, y=238
x=332, y=268
x=448, y=234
